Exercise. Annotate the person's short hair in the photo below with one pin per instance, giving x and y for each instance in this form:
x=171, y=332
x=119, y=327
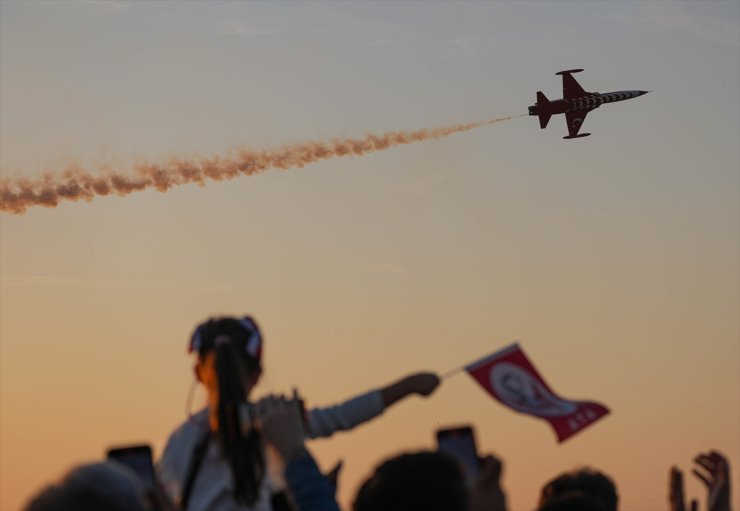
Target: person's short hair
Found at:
x=93, y=487
x=573, y=501
x=587, y=481
x=421, y=481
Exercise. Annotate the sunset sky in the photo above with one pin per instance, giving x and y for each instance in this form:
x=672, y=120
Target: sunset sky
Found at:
x=612, y=259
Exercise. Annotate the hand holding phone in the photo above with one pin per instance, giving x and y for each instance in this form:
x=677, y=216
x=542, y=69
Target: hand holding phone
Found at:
x=460, y=444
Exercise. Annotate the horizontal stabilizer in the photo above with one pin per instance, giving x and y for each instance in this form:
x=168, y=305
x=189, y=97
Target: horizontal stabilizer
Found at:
x=544, y=119
x=577, y=136
x=569, y=71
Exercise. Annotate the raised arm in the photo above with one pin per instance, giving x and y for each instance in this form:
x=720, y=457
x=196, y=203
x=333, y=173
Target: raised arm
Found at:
x=486, y=493
x=324, y=422
x=714, y=471
x=676, y=494
x=282, y=427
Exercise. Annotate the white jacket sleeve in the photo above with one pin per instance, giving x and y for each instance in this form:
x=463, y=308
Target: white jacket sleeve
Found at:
x=171, y=466
x=323, y=422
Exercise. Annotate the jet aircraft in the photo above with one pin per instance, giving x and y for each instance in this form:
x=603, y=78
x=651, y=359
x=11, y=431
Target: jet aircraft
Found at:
x=576, y=103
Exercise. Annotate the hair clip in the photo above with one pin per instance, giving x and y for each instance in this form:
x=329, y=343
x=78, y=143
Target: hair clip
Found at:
x=254, y=343
x=222, y=339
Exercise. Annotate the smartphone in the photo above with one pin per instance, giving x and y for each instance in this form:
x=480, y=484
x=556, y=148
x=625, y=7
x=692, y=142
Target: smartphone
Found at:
x=139, y=459
x=460, y=444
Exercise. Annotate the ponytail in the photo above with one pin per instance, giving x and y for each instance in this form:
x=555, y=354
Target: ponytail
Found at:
x=243, y=451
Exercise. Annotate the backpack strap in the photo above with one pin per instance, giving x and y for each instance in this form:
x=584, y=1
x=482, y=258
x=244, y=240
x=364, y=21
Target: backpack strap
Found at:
x=199, y=454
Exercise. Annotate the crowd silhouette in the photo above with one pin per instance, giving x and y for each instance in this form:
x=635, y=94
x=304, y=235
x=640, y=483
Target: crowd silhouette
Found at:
x=245, y=454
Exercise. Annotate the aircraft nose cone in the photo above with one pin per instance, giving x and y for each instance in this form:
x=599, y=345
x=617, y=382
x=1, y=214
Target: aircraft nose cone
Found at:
x=644, y=92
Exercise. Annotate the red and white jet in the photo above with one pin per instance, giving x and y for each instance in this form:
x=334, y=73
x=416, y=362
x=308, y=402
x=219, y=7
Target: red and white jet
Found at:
x=576, y=103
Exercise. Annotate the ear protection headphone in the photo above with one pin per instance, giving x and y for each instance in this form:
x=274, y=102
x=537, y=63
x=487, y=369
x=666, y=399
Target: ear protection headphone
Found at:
x=254, y=340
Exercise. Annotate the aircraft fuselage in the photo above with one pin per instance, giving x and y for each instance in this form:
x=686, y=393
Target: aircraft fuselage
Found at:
x=588, y=102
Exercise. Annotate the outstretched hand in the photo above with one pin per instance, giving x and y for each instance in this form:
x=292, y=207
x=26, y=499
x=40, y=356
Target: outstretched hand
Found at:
x=714, y=471
x=486, y=493
x=676, y=496
x=423, y=383
x=282, y=425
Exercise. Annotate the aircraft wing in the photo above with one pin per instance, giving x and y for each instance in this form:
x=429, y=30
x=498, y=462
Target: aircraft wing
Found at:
x=571, y=88
x=574, y=120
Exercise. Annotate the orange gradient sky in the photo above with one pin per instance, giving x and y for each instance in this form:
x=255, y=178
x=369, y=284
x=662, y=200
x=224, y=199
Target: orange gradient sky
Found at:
x=612, y=259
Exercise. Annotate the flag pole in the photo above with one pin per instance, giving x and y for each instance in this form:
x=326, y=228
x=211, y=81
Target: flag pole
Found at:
x=462, y=368
x=455, y=371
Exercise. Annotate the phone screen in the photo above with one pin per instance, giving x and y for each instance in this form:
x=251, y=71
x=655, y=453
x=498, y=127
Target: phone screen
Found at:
x=460, y=444
x=139, y=459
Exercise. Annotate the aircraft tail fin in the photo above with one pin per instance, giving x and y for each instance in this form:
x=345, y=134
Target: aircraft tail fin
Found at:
x=542, y=103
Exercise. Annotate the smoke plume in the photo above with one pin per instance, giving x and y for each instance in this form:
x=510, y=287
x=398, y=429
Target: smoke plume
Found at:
x=76, y=183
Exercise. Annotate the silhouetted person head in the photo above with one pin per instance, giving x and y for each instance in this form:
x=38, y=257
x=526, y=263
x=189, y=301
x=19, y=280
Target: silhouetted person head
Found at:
x=586, y=481
x=98, y=486
x=573, y=501
x=422, y=481
x=229, y=365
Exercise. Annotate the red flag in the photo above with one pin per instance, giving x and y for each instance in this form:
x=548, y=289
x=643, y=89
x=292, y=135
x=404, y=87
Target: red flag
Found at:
x=510, y=377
